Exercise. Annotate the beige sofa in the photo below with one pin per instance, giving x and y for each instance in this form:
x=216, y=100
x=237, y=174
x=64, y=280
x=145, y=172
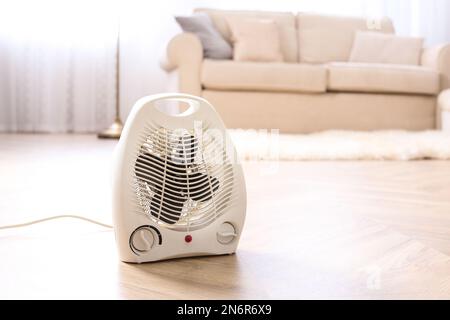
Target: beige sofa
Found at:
x=315, y=88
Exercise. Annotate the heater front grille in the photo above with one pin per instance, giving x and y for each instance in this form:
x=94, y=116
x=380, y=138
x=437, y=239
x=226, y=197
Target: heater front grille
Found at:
x=182, y=180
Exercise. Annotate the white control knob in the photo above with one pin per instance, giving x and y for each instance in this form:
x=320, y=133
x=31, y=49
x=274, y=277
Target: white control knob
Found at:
x=142, y=239
x=226, y=233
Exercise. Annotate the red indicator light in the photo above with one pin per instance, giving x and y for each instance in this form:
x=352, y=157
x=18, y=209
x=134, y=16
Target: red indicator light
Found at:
x=188, y=238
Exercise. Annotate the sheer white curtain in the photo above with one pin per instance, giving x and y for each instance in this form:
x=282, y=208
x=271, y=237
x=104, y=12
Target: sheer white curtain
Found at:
x=425, y=18
x=57, y=65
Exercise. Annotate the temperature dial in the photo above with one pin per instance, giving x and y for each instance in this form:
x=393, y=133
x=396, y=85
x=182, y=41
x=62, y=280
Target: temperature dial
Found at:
x=142, y=239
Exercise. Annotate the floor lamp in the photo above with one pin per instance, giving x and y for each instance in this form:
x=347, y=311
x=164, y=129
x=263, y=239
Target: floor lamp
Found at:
x=115, y=129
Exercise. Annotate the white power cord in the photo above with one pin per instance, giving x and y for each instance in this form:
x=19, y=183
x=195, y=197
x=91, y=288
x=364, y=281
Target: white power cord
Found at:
x=53, y=218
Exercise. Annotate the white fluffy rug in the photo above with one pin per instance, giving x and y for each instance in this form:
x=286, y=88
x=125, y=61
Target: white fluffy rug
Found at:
x=342, y=145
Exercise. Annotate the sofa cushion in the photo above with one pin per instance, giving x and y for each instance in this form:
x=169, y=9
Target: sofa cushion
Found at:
x=375, y=47
x=256, y=76
x=284, y=20
x=255, y=40
x=214, y=45
x=387, y=78
x=324, y=38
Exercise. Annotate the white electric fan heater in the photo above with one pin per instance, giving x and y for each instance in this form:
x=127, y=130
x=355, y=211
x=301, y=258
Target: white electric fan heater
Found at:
x=178, y=189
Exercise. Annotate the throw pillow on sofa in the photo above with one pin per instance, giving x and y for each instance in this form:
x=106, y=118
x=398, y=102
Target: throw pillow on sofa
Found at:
x=214, y=45
x=374, y=47
x=255, y=39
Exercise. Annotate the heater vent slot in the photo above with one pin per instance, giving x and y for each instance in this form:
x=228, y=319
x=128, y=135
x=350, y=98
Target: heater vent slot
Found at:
x=182, y=180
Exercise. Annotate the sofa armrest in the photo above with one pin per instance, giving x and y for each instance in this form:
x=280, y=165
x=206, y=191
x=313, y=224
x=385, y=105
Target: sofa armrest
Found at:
x=185, y=53
x=438, y=58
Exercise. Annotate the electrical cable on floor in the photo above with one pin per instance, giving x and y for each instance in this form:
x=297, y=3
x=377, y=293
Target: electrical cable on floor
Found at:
x=53, y=218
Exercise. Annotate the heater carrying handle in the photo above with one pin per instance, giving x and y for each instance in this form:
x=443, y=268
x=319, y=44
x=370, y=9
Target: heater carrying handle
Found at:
x=150, y=103
x=195, y=103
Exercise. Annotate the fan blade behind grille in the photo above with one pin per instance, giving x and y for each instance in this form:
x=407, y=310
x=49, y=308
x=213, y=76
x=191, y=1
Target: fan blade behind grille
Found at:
x=173, y=180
